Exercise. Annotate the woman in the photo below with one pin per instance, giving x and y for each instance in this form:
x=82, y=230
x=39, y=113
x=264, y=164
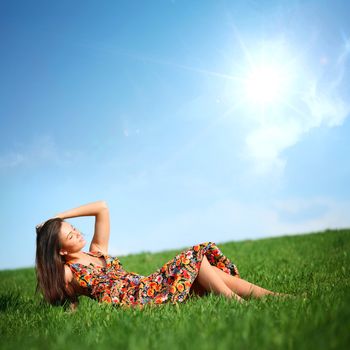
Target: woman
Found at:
x=64, y=271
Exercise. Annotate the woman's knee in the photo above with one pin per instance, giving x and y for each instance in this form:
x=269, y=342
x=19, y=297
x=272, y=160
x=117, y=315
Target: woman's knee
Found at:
x=209, y=280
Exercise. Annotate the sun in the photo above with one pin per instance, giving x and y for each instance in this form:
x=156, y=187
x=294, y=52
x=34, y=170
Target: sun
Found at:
x=266, y=84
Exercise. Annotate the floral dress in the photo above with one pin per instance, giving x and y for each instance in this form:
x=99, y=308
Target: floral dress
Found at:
x=169, y=284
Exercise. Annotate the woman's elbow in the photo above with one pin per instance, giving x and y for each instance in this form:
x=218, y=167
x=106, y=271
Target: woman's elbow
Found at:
x=103, y=204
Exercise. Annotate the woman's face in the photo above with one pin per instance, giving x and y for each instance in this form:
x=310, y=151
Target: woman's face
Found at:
x=71, y=239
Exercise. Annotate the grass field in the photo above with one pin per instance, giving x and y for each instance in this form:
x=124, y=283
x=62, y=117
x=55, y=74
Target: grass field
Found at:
x=315, y=264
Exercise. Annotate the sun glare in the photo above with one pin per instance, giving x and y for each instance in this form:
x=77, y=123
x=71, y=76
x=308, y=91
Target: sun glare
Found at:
x=265, y=84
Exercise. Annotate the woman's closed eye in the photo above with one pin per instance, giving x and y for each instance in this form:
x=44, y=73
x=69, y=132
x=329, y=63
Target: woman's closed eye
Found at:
x=71, y=234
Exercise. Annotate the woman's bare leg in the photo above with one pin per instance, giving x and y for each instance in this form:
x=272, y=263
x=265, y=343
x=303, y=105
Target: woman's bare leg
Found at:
x=211, y=281
x=242, y=287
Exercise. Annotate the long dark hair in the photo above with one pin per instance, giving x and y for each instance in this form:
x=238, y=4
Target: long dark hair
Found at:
x=49, y=266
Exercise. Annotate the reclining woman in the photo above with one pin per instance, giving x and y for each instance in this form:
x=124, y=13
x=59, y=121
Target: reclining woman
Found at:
x=64, y=271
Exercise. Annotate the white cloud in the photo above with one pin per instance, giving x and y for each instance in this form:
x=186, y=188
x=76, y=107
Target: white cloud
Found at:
x=329, y=109
x=41, y=150
x=11, y=160
x=264, y=144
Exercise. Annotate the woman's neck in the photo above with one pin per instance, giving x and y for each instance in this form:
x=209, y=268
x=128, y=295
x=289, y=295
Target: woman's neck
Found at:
x=73, y=256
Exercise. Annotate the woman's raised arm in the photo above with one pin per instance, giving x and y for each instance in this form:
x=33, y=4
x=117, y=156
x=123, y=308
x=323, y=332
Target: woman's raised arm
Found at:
x=90, y=209
x=100, y=210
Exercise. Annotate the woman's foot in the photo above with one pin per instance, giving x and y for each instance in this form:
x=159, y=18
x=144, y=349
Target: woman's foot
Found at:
x=238, y=298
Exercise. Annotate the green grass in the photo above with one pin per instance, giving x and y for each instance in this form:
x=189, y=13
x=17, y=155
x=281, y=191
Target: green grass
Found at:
x=316, y=264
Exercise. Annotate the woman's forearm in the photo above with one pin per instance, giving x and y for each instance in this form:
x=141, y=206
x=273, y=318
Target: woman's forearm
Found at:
x=90, y=209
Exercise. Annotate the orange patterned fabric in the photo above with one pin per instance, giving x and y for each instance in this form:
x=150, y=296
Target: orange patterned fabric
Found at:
x=170, y=283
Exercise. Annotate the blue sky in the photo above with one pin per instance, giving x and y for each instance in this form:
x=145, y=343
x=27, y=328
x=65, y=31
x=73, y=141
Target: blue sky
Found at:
x=195, y=120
